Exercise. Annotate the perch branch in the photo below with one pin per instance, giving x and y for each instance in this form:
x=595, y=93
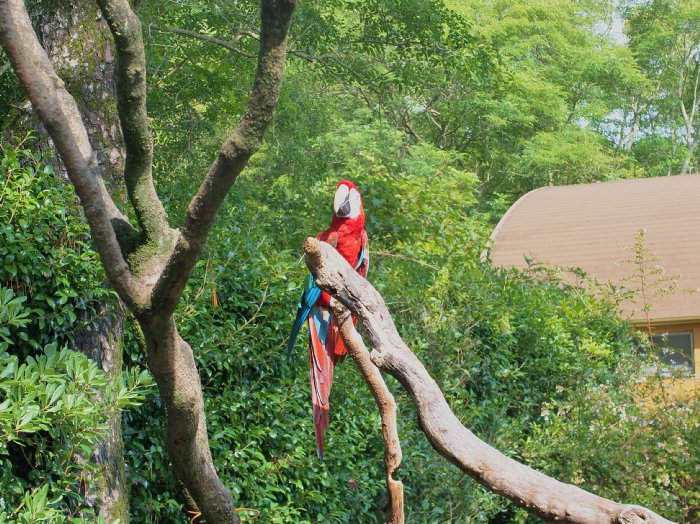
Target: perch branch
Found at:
x=387, y=409
x=530, y=489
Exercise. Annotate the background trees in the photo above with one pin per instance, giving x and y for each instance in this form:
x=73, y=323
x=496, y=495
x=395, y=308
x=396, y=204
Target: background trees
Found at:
x=666, y=41
x=442, y=114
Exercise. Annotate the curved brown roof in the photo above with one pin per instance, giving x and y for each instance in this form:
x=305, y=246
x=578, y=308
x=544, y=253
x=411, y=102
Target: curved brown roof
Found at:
x=594, y=226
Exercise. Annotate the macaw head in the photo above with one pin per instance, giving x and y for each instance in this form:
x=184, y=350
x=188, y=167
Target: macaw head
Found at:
x=347, y=202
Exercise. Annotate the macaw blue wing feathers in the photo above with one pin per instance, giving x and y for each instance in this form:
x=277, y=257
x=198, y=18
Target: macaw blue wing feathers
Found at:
x=307, y=301
x=363, y=256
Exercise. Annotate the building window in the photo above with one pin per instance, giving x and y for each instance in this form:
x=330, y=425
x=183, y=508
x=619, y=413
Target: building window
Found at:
x=675, y=350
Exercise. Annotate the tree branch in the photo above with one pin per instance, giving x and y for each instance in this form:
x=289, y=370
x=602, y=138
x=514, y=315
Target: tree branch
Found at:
x=230, y=45
x=226, y=44
x=233, y=156
x=387, y=409
x=327, y=60
x=59, y=113
x=534, y=491
x=130, y=80
x=171, y=361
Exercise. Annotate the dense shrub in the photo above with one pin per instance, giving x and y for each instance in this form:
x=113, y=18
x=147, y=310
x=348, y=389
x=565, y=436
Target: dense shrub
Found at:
x=54, y=403
x=638, y=442
x=45, y=253
x=53, y=412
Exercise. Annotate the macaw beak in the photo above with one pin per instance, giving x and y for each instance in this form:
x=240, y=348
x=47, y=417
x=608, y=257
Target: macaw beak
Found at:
x=344, y=209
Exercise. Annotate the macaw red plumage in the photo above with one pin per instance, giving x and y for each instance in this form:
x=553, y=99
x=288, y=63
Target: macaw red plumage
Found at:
x=326, y=348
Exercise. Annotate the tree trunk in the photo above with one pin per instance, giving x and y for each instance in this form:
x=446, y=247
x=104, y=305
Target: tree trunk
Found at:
x=171, y=360
x=621, y=134
x=77, y=42
x=634, y=129
x=692, y=144
x=102, y=342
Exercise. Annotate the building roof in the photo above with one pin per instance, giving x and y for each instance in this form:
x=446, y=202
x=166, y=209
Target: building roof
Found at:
x=594, y=227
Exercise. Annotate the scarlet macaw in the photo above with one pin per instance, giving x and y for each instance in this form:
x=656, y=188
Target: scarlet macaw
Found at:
x=326, y=348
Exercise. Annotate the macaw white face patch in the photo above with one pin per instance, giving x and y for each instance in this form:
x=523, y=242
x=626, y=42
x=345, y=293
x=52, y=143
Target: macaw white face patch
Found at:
x=347, y=202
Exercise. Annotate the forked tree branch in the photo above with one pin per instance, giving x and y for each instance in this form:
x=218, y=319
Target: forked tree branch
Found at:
x=59, y=113
x=130, y=80
x=387, y=409
x=534, y=491
x=233, y=156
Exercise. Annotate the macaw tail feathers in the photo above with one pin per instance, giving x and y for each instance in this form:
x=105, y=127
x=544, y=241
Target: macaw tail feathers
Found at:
x=321, y=422
x=336, y=346
x=320, y=372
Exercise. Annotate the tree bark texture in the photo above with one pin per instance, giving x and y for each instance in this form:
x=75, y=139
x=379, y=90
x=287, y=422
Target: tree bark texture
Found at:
x=102, y=341
x=149, y=264
x=171, y=360
x=76, y=41
x=529, y=489
x=387, y=409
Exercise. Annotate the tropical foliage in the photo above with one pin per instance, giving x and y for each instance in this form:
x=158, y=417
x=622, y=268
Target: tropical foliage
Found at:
x=54, y=402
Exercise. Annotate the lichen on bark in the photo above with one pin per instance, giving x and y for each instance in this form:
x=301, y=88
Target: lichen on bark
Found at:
x=78, y=43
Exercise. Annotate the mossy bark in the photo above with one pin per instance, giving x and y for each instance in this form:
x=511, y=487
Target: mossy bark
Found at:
x=102, y=341
x=78, y=43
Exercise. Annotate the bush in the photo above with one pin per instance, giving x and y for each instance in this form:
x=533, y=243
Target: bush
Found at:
x=638, y=442
x=46, y=254
x=53, y=412
x=54, y=403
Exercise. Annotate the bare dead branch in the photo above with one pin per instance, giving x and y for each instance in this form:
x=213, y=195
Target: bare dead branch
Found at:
x=387, y=409
x=534, y=491
x=130, y=80
x=59, y=113
x=233, y=156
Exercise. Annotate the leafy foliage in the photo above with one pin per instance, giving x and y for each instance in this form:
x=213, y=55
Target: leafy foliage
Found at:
x=53, y=411
x=47, y=259
x=54, y=403
x=621, y=436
